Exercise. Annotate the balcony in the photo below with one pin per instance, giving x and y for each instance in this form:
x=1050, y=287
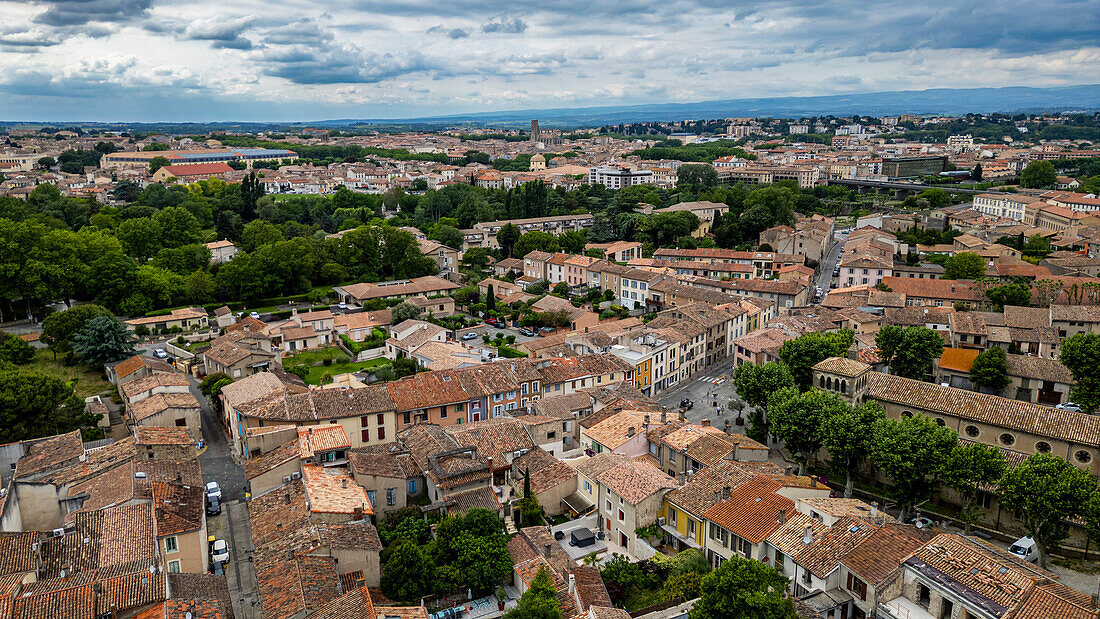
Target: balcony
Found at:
x=904, y=608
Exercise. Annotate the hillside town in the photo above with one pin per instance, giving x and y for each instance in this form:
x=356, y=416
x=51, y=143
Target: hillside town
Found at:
x=840, y=366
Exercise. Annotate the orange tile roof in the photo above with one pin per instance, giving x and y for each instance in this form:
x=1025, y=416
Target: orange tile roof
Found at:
x=332, y=491
x=314, y=439
x=958, y=359
x=753, y=509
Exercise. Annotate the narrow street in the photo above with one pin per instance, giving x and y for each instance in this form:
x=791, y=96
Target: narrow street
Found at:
x=232, y=524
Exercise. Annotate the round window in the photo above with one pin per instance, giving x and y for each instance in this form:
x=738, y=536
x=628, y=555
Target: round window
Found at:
x=972, y=431
x=940, y=422
x=907, y=414
x=1083, y=456
x=1042, y=447
x=1007, y=439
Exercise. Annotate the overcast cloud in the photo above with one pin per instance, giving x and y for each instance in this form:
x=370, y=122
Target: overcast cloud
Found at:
x=283, y=60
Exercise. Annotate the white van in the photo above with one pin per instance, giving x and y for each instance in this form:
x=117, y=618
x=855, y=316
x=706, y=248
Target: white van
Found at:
x=1026, y=549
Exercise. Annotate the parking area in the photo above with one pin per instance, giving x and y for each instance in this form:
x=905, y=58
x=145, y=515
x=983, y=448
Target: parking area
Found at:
x=232, y=525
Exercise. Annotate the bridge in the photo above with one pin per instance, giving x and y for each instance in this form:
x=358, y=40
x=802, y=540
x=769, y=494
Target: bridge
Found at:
x=900, y=189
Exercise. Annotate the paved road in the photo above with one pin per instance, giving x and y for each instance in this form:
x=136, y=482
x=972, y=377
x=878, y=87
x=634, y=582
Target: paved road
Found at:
x=232, y=524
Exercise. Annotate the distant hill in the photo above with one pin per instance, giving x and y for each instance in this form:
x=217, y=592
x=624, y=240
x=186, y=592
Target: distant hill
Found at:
x=947, y=101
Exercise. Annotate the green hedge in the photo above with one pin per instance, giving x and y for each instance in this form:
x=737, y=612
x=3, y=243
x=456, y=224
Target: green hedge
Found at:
x=509, y=353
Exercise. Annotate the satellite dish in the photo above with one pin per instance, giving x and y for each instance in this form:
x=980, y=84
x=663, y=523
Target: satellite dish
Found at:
x=920, y=524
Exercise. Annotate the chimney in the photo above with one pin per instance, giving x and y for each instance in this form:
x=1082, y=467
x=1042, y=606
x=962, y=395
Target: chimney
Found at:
x=725, y=492
x=782, y=516
x=874, y=509
x=646, y=422
x=358, y=513
x=572, y=582
x=664, y=417
x=813, y=481
x=343, y=483
x=706, y=423
x=546, y=551
x=736, y=449
x=286, y=498
x=807, y=535
x=630, y=431
x=681, y=478
x=490, y=462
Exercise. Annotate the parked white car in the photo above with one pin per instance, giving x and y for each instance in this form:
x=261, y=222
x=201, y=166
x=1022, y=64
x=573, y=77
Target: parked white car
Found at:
x=213, y=490
x=1026, y=549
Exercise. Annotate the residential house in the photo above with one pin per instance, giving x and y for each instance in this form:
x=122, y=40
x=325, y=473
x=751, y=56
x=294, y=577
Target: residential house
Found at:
x=186, y=319
x=221, y=251
x=389, y=475
x=239, y=353
x=407, y=337
x=398, y=289
x=627, y=495
x=551, y=480
x=358, y=326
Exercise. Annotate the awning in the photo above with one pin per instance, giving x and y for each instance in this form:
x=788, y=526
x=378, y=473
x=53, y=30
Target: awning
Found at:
x=578, y=503
x=671, y=530
x=825, y=601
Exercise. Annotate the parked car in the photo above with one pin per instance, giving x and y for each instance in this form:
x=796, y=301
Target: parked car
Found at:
x=219, y=551
x=1069, y=406
x=255, y=315
x=469, y=336
x=527, y=332
x=213, y=506
x=160, y=353
x=213, y=490
x=546, y=329
x=342, y=305
x=1026, y=549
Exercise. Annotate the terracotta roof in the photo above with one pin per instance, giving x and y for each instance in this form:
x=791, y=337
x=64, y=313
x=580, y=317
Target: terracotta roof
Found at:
x=482, y=496
x=162, y=435
x=705, y=487
x=177, y=508
x=619, y=428
x=47, y=453
x=958, y=359
x=545, y=470
x=634, y=481
x=945, y=289
x=790, y=536
x=331, y=491
x=879, y=556
x=1051, y=600
x=318, y=438
x=753, y=509
x=842, y=366
x=350, y=536
x=254, y=467
x=1076, y=428
x=160, y=402
x=823, y=555
x=387, y=460
x=17, y=553
x=1039, y=368
x=147, y=383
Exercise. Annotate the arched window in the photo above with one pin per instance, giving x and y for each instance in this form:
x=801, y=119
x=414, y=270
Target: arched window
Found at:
x=940, y=422
x=829, y=383
x=907, y=414
x=1007, y=439
x=1083, y=456
x=821, y=382
x=1042, y=447
x=972, y=431
x=844, y=386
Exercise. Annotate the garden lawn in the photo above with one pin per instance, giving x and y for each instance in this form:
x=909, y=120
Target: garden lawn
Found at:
x=313, y=357
x=313, y=376
x=86, y=381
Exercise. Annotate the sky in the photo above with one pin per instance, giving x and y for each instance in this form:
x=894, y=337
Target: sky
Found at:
x=282, y=60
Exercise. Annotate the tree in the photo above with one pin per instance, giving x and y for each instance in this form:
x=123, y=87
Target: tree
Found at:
x=178, y=227
x=404, y=367
x=208, y=383
x=58, y=328
x=969, y=467
x=476, y=258
x=157, y=163
x=404, y=311
x=103, y=340
x=964, y=265
x=490, y=299
x=1046, y=491
x=540, y=601
x=407, y=575
x=141, y=237
x=1009, y=294
x=534, y=241
x=1038, y=174
x=507, y=237
x=911, y=451
x=802, y=353
x=911, y=353
x=696, y=177
x=449, y=235
x=755, y=383
x=15, y=349
x=561, y=289
x=33, y=404
x=743, y=588
x=46, y=162
x=795, y=418
x=844, y=433
x=1081, y=354
x=990, y=370
x=257, y=233
x=976, y=172
x=573, y=241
